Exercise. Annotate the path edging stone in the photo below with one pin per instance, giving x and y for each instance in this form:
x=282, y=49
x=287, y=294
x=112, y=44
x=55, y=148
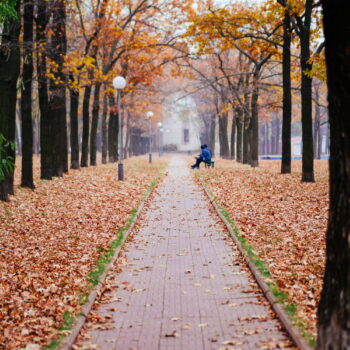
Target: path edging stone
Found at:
x=275, y=304
x=69, y=340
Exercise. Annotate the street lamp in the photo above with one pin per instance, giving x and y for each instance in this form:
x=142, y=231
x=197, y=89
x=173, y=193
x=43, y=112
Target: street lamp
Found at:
x=119, y=84
x=149, y=115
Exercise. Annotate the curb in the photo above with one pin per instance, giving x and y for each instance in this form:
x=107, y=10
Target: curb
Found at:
x=292, y=331
x=68, y=341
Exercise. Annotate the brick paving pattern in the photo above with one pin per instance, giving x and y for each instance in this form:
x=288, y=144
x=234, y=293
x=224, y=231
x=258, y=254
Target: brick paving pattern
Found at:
x=180, y=283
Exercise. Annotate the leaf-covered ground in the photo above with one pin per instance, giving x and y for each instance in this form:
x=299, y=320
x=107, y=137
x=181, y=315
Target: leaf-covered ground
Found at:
x=283, y=219
x=51, y=238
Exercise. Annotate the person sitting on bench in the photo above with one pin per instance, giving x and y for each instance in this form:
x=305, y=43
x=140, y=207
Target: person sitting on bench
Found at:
x=205, y=156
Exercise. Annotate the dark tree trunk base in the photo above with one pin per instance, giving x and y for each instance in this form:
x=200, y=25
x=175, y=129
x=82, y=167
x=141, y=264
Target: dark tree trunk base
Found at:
x=333, y=338
x=27, y=184
x=254, y=163
x=3, y=192
x=46, y=175
x=75, y=164
x=308, y=177
x=286, y=169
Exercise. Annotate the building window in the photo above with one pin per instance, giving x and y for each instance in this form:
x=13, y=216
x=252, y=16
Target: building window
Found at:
x=186, y=135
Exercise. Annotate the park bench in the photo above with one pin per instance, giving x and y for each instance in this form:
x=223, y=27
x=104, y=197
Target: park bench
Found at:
x=209, y=164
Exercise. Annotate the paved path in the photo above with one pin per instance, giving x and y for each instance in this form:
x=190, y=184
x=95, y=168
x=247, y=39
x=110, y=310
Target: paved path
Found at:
x=180, y=283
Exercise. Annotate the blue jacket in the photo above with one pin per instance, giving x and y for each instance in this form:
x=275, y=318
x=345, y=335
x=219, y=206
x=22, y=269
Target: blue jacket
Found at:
x=206, y=155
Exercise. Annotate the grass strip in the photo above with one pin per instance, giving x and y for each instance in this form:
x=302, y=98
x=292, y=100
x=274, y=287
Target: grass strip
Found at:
x=262, y=266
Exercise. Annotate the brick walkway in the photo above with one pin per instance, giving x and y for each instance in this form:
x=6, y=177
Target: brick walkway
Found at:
x=180, y=283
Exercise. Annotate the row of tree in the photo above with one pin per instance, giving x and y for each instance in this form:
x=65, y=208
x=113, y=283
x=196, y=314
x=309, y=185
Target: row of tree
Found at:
x=59, y=58
x=245, y=69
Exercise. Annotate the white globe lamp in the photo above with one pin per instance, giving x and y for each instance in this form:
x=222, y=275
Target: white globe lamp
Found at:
x=119, y=83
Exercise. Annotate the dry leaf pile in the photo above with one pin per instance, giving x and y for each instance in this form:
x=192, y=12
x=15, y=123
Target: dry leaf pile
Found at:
x=51, y=238
x=283, y=219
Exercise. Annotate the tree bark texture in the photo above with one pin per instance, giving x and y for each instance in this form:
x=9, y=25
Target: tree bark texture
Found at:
x=223, y=135
x=9, y=72
x=64, y=126
x=113, y=131
x=246, y=140
x=239, y=122
x=104, y=129
x=254, y=142
x=306, y=97
x=26, y=99
x=286, y=164
x=246, y=125
x=233, y=136
x=317, y=126
x=57, y=102
x=86, y=127
x=334, y=307
x=74, y=128
x=45, y=120
x=94, y=124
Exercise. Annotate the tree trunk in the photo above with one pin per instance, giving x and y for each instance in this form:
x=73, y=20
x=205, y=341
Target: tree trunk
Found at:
x=94, y=124
x=254, y=150
x=223, y=136
x=306, y=97
x=57, y=103
x=113, y=131
x=239, y=136
x=45, y=120
x=104, y=129
x=74, y=127
x=26, y=96
x=246, y=140
x=9, y=72
x=18, y=136
x=286, y=165
x=212, y=133
x=317, y=126
x=334, y=307
x=64, y=155
x=111, y=122
x=233, y=136
x=127, y=136
x=246, y=124
x=86, y=127
x=36, y=135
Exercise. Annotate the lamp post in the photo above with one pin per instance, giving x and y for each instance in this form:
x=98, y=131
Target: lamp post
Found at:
x=119, y=83
x=149, y=116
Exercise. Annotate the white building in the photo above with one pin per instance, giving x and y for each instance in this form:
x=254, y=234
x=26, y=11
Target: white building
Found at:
x=181, y=126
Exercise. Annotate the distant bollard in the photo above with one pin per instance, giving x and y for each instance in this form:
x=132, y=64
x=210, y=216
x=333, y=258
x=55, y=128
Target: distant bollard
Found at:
x=150, y=158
